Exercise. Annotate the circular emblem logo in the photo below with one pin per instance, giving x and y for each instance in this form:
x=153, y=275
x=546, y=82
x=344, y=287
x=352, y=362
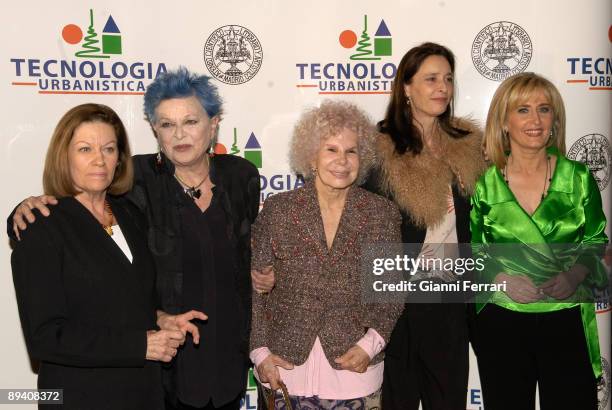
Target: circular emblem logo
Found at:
x=501, y=49
x=233, y=54
x=603, y=385
x=594, y=151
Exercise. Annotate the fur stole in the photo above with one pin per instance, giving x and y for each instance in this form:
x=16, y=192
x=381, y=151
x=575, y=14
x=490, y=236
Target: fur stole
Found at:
x=419, y=183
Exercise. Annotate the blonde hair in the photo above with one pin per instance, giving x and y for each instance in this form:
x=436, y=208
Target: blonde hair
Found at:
x=57, y=180
x=329, y=119
x=513, y=92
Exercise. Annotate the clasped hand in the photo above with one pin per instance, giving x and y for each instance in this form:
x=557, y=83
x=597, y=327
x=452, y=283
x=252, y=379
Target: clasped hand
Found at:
x=263, y=280
x=563, y=285
x=521, y=288
x=163, y=345
x=181, y=323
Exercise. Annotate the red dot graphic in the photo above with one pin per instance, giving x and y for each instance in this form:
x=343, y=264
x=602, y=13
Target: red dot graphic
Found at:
x=348, y=39
x=220, y=148
x=72, y=34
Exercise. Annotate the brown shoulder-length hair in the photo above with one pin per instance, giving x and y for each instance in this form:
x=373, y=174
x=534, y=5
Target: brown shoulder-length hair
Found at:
x=57, y=180
x=398, y=122
x=513, y=92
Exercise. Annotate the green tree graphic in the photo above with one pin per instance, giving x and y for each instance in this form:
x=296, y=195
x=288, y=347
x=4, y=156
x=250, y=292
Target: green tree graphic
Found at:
x=365, y=46
x=90, y=48
x=235, y=149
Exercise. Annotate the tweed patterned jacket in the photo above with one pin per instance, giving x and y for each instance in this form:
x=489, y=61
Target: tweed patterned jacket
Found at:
x=318, y=290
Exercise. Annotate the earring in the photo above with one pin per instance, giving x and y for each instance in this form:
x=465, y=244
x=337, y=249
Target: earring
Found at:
x=214, y=138
x=550, y=137
x=211, y=149
x=158, y=157
x=407, y=100
x=314, y=171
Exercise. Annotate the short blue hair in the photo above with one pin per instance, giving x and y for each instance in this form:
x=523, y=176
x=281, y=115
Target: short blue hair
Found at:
x=182, y=84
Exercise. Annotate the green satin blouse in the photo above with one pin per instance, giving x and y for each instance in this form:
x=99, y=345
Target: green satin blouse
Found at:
x=552, y=240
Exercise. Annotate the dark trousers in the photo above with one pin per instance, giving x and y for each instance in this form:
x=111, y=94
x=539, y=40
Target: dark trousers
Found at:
x=426, y=359
x=516, y=350
x=232, y=405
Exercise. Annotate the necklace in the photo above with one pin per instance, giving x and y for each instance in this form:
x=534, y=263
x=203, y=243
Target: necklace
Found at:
x=547, y=177
x=108, y=228
x=194, y=191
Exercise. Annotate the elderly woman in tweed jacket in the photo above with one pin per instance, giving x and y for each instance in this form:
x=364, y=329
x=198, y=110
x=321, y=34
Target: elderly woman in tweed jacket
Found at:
x=313, y=331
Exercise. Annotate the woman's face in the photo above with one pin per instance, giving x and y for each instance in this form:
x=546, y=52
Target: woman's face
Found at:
x=184, y=130
x=93, y=157
x=529, y=124
x=430, y=89
x=337, y=160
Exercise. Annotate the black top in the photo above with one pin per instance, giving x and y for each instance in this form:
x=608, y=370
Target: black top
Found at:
x=85, y=308
x=172, y=241
x=209, y=286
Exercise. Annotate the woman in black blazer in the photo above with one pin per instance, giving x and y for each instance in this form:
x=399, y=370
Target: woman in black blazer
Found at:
x=84, y=278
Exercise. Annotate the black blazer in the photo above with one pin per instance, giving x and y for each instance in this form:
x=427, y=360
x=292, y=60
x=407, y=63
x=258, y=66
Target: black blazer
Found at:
x=85, y=308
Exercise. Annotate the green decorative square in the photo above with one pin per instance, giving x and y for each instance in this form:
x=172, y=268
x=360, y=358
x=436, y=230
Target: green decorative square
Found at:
x=251, y=383
x=111, y=44
x=382, y=46
x=254, y=157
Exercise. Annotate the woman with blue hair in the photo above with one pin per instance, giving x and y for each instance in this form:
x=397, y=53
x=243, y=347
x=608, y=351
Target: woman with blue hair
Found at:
x=200, y=208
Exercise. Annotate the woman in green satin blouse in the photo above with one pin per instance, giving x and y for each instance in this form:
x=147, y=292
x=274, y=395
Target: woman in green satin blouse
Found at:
x=534, y=212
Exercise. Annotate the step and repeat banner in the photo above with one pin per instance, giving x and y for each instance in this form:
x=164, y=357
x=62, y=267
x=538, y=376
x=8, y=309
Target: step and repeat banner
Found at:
x=270, y=60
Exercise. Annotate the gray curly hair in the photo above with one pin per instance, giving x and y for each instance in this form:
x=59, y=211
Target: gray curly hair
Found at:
x=327, y=120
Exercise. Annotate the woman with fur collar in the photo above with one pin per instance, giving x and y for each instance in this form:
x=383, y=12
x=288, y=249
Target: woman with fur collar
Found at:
x=428, y=164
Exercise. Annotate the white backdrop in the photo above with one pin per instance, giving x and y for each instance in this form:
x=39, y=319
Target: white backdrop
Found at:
x=293, y=55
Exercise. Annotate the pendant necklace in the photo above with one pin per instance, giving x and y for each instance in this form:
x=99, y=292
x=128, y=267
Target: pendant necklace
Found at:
x=108, y=228
x=194, y=191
